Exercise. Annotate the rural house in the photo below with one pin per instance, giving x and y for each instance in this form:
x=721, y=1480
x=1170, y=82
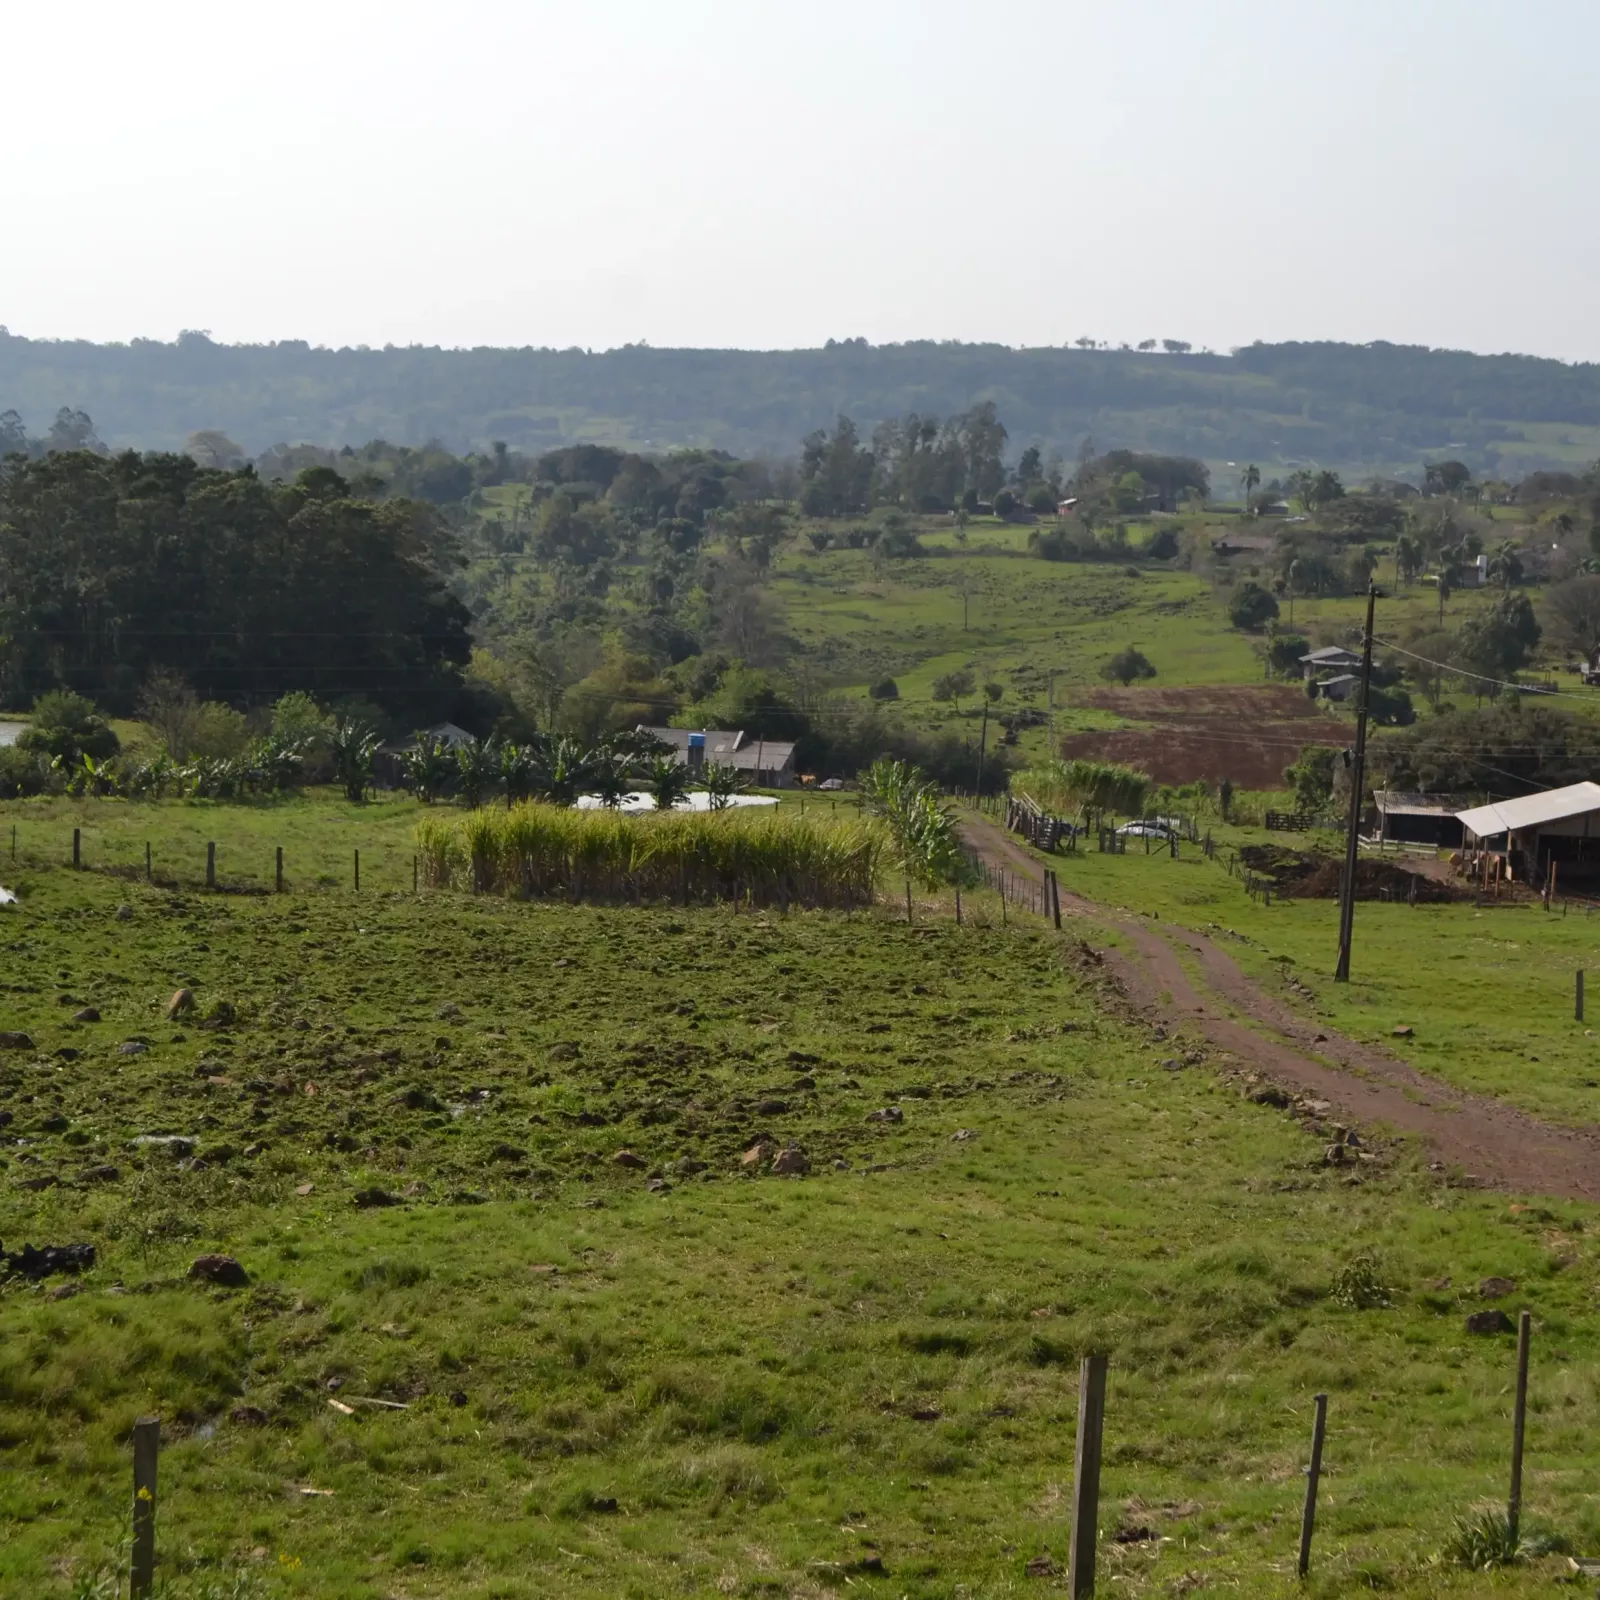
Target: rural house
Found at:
x=1560, y=827
x=1340, y=687
x=1331, y=658
x=767, y=763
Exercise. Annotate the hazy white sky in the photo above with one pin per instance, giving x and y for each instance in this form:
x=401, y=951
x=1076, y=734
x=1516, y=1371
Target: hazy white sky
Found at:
x=757, y=173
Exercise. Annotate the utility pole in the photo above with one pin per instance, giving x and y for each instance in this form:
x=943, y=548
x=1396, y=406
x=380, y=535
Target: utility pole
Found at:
x=1347, y=893
x=1052, y=716
x=983, y=741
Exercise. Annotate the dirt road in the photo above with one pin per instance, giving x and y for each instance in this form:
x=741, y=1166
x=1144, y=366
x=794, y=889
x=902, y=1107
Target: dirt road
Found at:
x=1497, y=1145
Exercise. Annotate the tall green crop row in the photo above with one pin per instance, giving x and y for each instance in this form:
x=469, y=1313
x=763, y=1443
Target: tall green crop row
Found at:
x=551, y=851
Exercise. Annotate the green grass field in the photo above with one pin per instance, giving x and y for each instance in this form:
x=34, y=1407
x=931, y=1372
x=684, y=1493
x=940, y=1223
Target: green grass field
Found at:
x=859, y=1381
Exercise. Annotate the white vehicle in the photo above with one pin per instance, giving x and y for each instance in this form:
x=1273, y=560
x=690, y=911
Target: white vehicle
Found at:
x=1146, y=830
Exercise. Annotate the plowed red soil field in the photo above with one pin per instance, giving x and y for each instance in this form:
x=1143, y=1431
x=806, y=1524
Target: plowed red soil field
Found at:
x=1247, y=734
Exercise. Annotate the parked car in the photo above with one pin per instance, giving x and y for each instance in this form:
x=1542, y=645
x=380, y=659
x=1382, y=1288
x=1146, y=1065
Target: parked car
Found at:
x=1146, y=830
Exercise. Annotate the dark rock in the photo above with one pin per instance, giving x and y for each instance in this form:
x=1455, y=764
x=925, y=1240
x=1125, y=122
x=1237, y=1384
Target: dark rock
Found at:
x=626, y=1158
x=224, y=1270
x=248, y=1416
x=15, y=1041
x=1404, y=1031
x=88, y=1014
x=420, y=1100
x=791, y=1162
x=887, y=1114
x=46, y=1180
x=55, y=1123
x=657, y=1185
x=132, y=1047
x=961, y=1135
x=1134, y=1534
x=771, y=1108
x=366, y=1199
x=1492, y=1321
x=48, y=1259
x=67, y=1053
x=1042, y=1567
x=124, y=913
x=507, y=1152
x=1497, y=1288
x=459, y=1398
x=106, y=1174
x=757, y=1153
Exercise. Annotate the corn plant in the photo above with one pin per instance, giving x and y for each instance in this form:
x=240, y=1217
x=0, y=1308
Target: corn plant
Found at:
x=919, y=822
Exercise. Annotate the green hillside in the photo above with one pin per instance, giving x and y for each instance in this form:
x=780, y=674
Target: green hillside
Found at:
x=1361, y=409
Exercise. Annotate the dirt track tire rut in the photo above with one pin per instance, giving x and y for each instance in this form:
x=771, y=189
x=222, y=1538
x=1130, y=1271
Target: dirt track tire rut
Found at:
x=1496, y=1145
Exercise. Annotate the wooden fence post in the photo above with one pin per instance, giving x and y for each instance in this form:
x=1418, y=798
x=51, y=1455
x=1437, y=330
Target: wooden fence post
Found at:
x=277, y=872
x=1519, y=1419
x=1308, y=1520
x=146, y=1449
x=1086, y=1477
x=147, y=877
x=211, y=864
x=1577, y=1007
x=77, y=848
x=413, y=874
x=1055, y=899
x=908, y=901
x=358, y=872
x=958, y=908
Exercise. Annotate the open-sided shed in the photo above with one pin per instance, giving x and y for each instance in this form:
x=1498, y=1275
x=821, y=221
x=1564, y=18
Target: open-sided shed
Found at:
x=1559, y=825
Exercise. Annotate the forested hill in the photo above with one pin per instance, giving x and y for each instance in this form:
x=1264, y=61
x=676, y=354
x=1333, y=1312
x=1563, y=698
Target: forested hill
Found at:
x=1361, y=408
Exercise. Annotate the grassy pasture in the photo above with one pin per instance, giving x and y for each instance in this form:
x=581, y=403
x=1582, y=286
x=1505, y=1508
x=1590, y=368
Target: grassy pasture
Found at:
x=737, y=1384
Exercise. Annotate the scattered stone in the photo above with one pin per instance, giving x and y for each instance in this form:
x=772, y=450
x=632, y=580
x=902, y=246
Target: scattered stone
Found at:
x=418, y=1099
x=657, y=1185
x=304, y=1189
x=755, y=1155
x=181, y=1002
x=248, y=1416
x=88, y=1014
x=1491, y=1321
x=791, y=1162
x=49, y=1259
x=771, y=1108
x=219, y=1269
x=416, y=1190
x=449, y=1012
x=132, y=1047
x=15, y=1041
x=67, y=1053
x=507, y=1152
x=1404, y=1031
x=840, y=1164
x=47, y=1180
x=366, y=1199
x=459, y=1398
x=176, y=1145
x=626, y=1158
x=1042, y=1567
x=685, y=1167
x=1334, y=1155
x=124, y=913
x=926, y=1414
x=1497, y=1288
x=888, y=1114
x=106, y=1174
x=1172, y=1064
x=1135, y=1533
x=251, y=1151
x=961, y=1135
x=64, y=1291
x=1270, y=1094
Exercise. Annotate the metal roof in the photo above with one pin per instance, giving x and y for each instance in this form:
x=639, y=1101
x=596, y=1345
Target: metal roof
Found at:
x=1331, y=652
x=1531, y=810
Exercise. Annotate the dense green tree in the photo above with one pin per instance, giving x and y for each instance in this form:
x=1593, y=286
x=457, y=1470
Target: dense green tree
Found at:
x=1126, y=665
x=1251, y=607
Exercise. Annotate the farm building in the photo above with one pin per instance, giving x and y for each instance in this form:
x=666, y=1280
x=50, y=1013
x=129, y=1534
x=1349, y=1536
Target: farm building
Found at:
x=1340, y=687
x=768, y=763
x=1331, y=658
x=1419, y=818
x=1560, y=826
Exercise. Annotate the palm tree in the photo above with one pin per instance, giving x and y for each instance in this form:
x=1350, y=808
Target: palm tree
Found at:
x=1449, y=581
x=1250, y=480
x=1506, y=564
x=1407, y=557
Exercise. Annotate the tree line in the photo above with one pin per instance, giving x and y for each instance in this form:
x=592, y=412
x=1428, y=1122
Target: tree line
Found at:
x=1364, y=406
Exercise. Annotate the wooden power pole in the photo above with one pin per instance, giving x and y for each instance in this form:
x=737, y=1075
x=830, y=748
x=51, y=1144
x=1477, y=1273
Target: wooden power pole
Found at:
x=1358, y=780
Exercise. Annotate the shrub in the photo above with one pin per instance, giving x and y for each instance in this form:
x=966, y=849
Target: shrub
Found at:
x=1251, y=607
x=66, y=727
x=1126, y=665
x=885, y=689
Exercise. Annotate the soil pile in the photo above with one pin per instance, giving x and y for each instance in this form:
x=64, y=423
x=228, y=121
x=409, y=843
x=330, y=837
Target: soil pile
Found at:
x=1315, y=875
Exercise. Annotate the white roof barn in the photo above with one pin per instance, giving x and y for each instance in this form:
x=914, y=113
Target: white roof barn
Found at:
x=1554, y=810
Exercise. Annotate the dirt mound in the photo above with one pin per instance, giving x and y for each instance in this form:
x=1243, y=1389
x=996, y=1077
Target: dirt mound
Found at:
x=1249, y=734
x=1316, y=875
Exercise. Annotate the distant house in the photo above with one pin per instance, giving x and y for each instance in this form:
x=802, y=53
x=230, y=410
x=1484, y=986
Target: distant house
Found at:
x=1068, y=507
x=1338, y=688
x=767, y=763
x=1255, y=544
x=1331, y=658
x=1590, y=672
x=386, y=765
